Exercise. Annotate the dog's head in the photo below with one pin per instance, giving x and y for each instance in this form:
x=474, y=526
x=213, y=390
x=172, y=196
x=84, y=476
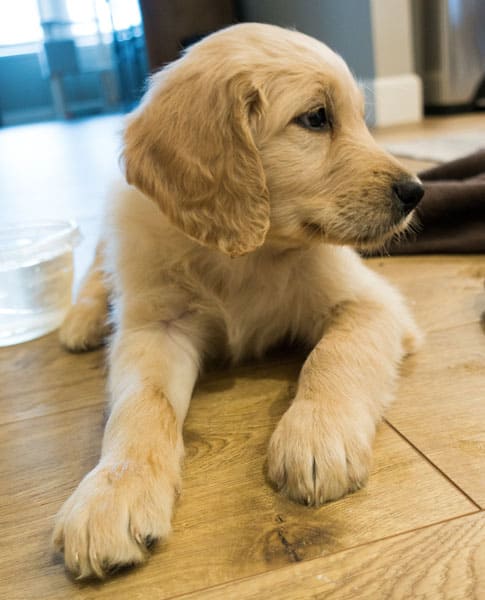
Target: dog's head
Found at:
x=258, y=133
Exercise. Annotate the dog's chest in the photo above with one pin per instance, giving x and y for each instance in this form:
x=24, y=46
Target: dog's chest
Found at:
x=260, y=306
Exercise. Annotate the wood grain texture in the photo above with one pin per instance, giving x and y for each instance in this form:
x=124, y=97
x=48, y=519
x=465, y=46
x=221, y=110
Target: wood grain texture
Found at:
x=229, y=523
x=444, y=291
x=37, y=379
x=440, y=407
x=445, y=562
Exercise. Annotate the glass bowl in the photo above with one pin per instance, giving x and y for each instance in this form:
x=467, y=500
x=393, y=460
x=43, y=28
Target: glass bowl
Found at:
x=36, y=273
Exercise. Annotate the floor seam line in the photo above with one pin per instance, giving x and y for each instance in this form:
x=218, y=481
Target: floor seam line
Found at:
x=433, y=464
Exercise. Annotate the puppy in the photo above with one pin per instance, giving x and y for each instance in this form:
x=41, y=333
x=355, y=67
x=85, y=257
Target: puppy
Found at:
x=250, y=172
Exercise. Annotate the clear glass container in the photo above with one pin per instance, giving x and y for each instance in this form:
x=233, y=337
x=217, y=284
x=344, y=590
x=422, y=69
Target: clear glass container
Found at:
x=36, y=273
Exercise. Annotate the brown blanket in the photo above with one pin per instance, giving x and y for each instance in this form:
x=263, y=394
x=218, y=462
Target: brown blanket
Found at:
x=452, y=211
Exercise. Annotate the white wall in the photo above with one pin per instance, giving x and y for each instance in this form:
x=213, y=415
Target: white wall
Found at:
x=397, y=88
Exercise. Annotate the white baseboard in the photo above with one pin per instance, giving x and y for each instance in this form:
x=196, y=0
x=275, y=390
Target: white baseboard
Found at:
x=395, y=100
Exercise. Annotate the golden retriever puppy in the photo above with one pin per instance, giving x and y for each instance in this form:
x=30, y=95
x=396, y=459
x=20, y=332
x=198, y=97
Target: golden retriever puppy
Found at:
x=250, y=172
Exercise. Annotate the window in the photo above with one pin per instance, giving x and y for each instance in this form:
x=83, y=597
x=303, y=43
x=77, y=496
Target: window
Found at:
x=100, y=15
x=19, y=22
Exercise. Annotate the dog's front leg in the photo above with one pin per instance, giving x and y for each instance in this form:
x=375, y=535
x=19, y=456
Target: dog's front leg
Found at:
x=125, y=503
x=321, y=448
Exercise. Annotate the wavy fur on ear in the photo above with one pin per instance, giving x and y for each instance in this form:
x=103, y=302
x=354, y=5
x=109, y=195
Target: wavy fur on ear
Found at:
x=189, y=147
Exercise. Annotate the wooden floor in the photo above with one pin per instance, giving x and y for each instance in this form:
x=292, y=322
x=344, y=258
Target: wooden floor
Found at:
x=417, y=531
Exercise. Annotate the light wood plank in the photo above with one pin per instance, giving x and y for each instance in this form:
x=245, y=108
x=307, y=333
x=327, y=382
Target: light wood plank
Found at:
x=432, y=126
x=445, y=561
x=441, y=400
x=441, y=406
x=443, y=291
x=39, y=378
x=229, y=522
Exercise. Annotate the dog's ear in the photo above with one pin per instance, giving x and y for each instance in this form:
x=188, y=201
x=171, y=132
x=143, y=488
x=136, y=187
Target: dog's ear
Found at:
x=190, y=148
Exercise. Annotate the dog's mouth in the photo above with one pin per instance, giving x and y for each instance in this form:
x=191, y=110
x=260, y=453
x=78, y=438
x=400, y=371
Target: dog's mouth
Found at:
x=367, y=240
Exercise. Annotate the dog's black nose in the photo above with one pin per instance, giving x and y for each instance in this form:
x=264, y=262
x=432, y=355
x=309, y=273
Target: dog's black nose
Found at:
x=409, y=193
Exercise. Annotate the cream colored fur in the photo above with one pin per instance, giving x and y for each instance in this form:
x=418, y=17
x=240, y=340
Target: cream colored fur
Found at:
x=234, y=235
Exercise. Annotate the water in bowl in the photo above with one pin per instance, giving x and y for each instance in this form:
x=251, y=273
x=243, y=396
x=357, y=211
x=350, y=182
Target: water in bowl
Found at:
x=36, y=273
x=34, y=299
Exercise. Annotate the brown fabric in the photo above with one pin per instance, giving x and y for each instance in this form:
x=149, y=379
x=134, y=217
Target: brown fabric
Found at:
x=452, y=211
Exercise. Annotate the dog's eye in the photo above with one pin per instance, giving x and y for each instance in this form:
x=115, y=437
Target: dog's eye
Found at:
x=316, y=120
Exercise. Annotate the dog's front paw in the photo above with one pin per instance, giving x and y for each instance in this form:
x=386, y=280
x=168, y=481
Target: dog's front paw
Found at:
x=315, y=456
x=85, y=326
x=118, y=511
